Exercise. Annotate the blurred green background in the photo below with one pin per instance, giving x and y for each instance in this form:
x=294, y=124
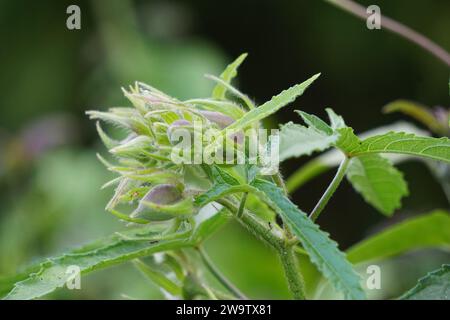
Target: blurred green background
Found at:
x=50, y=197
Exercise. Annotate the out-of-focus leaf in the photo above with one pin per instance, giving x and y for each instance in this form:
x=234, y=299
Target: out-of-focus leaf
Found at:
x=322, y=251
x=159, y=278
x=379, y=182
x=430, y=230
x=434, y=286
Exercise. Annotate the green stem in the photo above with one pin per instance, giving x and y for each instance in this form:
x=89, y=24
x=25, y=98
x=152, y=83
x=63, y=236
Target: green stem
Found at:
x=242, y=205
x=284, y=249
x=295, y=281
x=330, y=190
x=255, y=225
x=219, y=276
x=279, y=182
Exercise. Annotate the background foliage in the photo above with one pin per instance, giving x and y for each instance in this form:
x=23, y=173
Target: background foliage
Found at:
x=50, y=75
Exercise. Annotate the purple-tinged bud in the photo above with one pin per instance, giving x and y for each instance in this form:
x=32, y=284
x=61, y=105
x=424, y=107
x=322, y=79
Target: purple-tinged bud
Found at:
x=163, y=194
x=218, y=118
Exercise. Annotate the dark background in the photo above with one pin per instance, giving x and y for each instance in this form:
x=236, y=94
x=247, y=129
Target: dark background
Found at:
x=49, y=75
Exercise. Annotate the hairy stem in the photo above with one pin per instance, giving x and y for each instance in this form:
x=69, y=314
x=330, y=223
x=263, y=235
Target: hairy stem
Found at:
x=330, y=190
x=295, y=281
x=254, y=225
x=219, y=276
x=279, y=182
x=284, y=249
x=397, y=28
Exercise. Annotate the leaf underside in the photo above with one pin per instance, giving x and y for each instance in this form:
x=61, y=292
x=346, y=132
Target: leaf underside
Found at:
x=379, y=182
x=297, y=140
x=405, y=143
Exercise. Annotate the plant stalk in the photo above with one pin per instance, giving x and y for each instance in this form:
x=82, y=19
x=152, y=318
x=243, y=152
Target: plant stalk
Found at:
x=285, y=251
x=330, y=190
x=397, y=28
x=295, y=281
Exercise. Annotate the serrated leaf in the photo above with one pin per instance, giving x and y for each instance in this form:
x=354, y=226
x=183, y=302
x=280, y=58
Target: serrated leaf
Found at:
x=405, y=143
x=322, y=251
x=336, y=121
x=227, y=75
x=333, y=157
x=315, y=122
x=297, y=140
x=433, y=230
x=131, y=244
x=348, y=140
x=270, y=107
x=434, y=286
x=52, y=273
x=224, y=184
x=221, y=176
x=378, y=181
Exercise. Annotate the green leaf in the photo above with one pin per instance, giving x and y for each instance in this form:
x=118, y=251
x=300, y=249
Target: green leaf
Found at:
x=158, y=277
x=222, y=176
x=272, y=106
x=218, y=191
x=322, y=251
x=118, y=248
x=107, y=141
x=379, y=182
x=226, y=107
x=224, y=184
x=434, y=286
x=52, y=273
x=337, y=122
x=297, y=140
x=332, y=158
x=404, y=143
x=430, y=230
x=207, y=221
x=227, y=75
x=348, y=140
x=315, y=122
